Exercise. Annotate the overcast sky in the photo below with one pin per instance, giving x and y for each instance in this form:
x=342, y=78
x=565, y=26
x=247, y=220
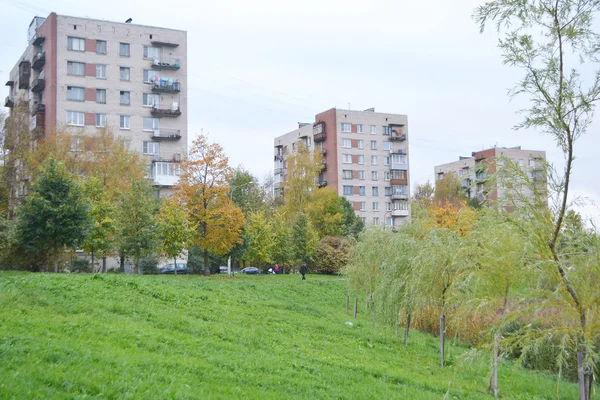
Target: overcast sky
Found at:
x=257, y=68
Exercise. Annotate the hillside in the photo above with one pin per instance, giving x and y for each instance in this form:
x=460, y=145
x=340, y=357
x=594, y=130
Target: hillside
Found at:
x=267, y=337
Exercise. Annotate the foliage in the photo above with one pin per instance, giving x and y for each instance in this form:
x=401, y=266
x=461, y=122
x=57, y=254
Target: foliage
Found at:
x=203, y=191
x=326, y=212
x=58, y=324
x=173, y=229
x=449, y=190
x=283, y=250
x=80, y=265
x=101, y=238
x=300, y=181
x=305, y=239
x=352, y=225
x=56, y=214
x=148, y=265
x=423, y=194
x=332, y=254
x=246, y=192
x=259, y=238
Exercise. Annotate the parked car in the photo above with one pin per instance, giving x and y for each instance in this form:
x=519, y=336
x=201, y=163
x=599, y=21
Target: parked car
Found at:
x=224, y=270
x=170, y=269
x=250, y=270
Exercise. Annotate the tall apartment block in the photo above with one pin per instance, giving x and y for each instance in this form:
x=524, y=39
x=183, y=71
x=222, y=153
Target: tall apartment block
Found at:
x=365, y=160
x=82, y=75
x=474, y=172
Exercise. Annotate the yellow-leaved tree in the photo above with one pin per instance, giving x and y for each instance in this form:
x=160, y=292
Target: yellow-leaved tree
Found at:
x=203, y=191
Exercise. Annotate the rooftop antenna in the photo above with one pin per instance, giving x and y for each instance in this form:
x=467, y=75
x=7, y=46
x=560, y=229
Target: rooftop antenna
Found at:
x=348, y=105
x=128, y=21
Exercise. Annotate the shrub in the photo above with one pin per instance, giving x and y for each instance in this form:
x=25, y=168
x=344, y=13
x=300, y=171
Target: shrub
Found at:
x=80, y=265
x=148, y=265
x=331, y=255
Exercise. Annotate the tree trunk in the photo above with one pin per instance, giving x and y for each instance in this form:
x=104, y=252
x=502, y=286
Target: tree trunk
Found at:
x=206, y=266
x=122, y=261
x=442, y=341
x=493, y=386
x=373, y=311
x=584, y=376
x=55, y=258
x=347, y=304
x=93, y=267
x=175, y=265
x=355, y=305
x=104, y=264
x=407, y=329
x=397, y=323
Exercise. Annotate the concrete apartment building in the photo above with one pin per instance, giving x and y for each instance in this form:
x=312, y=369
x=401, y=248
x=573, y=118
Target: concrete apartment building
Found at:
x=365, y=160
x=82, y=75
x=474, y=172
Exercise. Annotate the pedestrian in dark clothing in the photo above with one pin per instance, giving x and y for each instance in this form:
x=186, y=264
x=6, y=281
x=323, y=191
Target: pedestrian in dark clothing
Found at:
x=303, y=271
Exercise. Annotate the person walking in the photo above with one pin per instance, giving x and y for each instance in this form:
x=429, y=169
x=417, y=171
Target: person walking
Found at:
x=276, y=268
x=303, y=271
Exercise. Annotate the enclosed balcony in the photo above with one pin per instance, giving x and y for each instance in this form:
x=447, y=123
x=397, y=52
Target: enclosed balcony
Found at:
x=165, y=112
x=38, y=61
x=278, y=171
x=38, y=125
x=400, y=213
x=465, y=183
x=399, y=166
x=319, y=132
x=24, y=74
x=164, y=86
x=321, y=184
x=157, y=43
x=278, y=157
x=8, y=102
x=38, y=85
x=38, y=108
x=399, y=196
x=166, y=64
x=166, y=135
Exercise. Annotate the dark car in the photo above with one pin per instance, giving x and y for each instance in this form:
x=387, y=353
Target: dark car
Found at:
x=170, y=269
x=250, y=270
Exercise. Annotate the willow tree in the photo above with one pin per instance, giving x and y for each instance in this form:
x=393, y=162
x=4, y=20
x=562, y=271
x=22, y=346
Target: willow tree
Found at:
x=203, y=190
x=554, y=44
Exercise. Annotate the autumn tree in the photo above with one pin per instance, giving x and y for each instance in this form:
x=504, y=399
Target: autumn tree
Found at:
x=203, y=190
x=554, y=44
x=332, y=254
x=448, y=189
x=325, y=211
x=55, y=215
x=259, y=235
x=102, y=235
x=245, y=191
x=300, y=182
x=173, y=229
x=423, y=193
x=305, y=239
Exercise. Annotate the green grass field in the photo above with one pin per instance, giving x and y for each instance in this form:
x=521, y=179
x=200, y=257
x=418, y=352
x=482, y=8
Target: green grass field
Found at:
x=264, y=337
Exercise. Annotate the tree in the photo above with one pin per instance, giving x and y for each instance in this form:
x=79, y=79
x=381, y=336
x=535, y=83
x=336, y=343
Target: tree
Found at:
x=101, y=238
x=137, y=223
x=424, y=193
x=332, y=254
x=325, y=211
x=259, y=238
x=203, y=190
x=351, y=224
x=56, y=214
x=245, y=191
x=282, y=239
x=449, y=189
x=305, y=239
x=173, y=229
x=300, y=182
x=553, y=42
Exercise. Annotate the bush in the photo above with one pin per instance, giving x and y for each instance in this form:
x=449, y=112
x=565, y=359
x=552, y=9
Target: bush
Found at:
x=332, y=255
x=148, y=265
x=80, y=265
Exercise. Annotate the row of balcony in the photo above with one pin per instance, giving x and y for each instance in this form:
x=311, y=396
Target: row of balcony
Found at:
x=166, y=87
x=176, y=158
x=166, y=112
x=166, y=135
x=165, y=64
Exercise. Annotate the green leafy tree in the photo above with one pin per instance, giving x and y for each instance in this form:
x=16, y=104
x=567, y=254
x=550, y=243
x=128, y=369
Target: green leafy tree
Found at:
x=352, y=225
x=282, y=251
x=300, y=182
x=326, y=212
x=332, y=254
x=554, y=44
x=259, y=236
x=245, y=191
x=173, y=229
x=305, y=239
x=55, y=215
x=449, y=189
x=101, y=238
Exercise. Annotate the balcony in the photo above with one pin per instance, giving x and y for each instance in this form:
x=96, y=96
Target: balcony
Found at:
x=165, y=180
x=166, y=135
x=24, y=74
x=399, y=196
x=481, y=177
x=165, y=112
x=399, y=166
x=324, y=168
x=278, y=171
x=157, y=43
x=400, y=213
x=38, y=85
x=38, y=125
x=398, y=135
x=322, y=184
x=399, y=181
x=8, y=102
x=165, y=87
x=278, y=157
x=165, y=64
x=320, y=137
x=38, y=40
x=465, y=183
x=38, y=61
x=319, y=132
x=38, y=108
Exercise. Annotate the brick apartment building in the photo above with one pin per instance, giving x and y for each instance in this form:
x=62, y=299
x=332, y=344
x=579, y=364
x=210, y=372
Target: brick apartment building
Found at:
x=365, y=160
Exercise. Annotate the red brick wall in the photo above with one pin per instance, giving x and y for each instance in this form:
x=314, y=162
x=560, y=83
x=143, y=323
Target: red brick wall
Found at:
x=48, y=31
x=90, y=94
x=330, y=144
x=90, y=119
x=356, y=205
x=90, y=69
x=90, y=45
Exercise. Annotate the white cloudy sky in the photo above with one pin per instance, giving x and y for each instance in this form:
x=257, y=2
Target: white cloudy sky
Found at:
x=259, y=67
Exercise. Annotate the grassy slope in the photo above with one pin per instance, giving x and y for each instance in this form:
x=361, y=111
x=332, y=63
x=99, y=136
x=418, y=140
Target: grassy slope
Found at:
x=111, y=336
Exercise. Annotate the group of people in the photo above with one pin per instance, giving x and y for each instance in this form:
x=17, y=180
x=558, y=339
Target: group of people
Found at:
x=277, y=270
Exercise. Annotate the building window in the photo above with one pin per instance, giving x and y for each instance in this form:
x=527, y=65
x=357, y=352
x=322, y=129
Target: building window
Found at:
x=124, y=50
x=531, y=163
x=151, y=100
x=387, y=130
x=75, y=44
x=440, y=176
x=387, y=190
x=387, y=175
x=386, y=160
x=100, y=120
x=373, y=160
x=100, y=46
x=400, y=205
x=375, y=220
x=388, y=221
x=373, y=144
x=373, y=129
x=361, y=159
x=151, y=52
x=75, y=93
x=362, y=190
x=75, y=118
x=125, y=98
x=388, y=206
x=373, y=175
x=364, y=220
x=361, y=175
x=346, y=158
x=76, y=144
x=151, y=148
x=375, y=206
x=521, y=163
x=359, y=128
x=165, y=169
x=100, y=71
x=149, y=75
x=375, y=190
x=361, y=144
x=398, y=158
x=125, y=122
x=151, y=124
x=124, y=73
x=346, y=174
x=387, y=146
x=101, y=96
x=398, y=174
x=348, y=190
x=75, y=68
x=363, y=206
x=346, y=127
x=346, y=143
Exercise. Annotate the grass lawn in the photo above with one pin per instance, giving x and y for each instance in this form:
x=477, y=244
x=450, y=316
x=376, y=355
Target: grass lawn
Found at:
x=265, y=337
